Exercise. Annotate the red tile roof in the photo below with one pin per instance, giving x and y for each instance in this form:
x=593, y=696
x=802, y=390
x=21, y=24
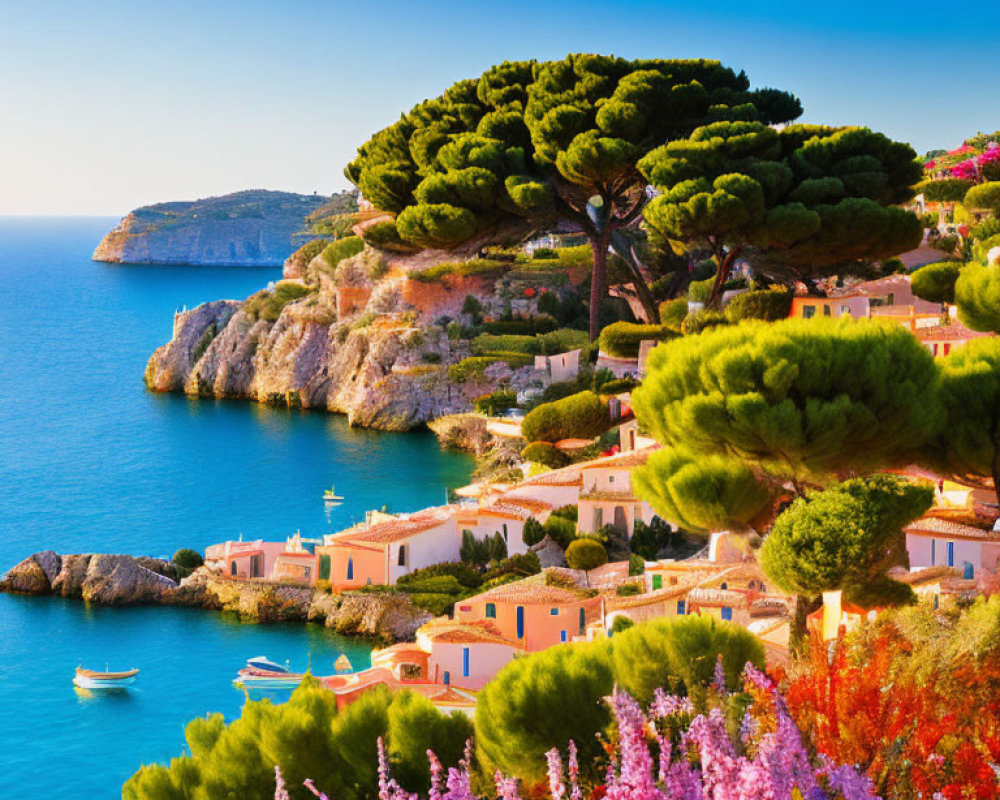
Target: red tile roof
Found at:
x=635, y=458
x=956, y=332
x=532, y=591
x=454, y=632
x=403, y=527
x=953, y=530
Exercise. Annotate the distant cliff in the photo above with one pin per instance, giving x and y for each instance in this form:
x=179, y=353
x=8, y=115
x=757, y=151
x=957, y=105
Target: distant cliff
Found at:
x=251, y=228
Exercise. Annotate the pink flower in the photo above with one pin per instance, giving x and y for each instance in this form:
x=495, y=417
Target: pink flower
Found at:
x=280, y=790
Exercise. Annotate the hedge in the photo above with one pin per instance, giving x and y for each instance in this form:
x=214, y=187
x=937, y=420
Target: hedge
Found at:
x=474, y=367
x=495, y=402
x=530, y=326
x=672, y=312
x=618, y=386
x=946, y=190
x=702, y=320
x=545, y=453
x=580, y=416
x=699, y=291
x=767, y=304
x=558, y=341
x=622, y=339
x=476, y=266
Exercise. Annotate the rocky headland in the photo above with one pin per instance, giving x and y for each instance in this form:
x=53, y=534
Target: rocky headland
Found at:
x=120, y=580
x=370, y=336
x=250, y=228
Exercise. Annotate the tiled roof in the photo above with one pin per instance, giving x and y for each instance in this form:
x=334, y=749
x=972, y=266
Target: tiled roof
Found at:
x=955, y=332
x=452, y=632
x=928, y=575
x=400, y=528
x=532, y=591
x=769, y=606
x=717, y=597
x=296, y=555
x=614, y=602
x=566, y=476
x=635, y=458
x=528, y=503
x=954, y=530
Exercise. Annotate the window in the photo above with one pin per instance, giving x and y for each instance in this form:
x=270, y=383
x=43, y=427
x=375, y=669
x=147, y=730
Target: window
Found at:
x=465, y=662
x=563, y=637
x=307, y=573
x=350, y=569
x=401, y=561
x=947, y=347
x=232, y=568
x=680, y=608
x=657, y=582
x=933, y=548
x=808, y=312
x=951, y=554
x=845, y=309
x=727, y=613
x=724, y=586
x=554, y=612
x=968, y=571
x=491, y=611
x=583, y=622
x=611, y=478
x=447, y=678
x=520, y=622
x=826, y=311
x=598, y=518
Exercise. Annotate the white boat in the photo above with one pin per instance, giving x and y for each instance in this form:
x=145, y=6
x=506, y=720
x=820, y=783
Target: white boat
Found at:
x=331, y=496
x=265, y=664
x=91, y=679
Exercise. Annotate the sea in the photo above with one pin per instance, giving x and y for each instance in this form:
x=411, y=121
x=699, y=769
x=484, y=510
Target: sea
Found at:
x=90, y=461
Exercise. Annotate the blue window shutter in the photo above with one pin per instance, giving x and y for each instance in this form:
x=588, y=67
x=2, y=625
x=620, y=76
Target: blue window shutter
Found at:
x=951, y=554
x=520, y=622
x=554, y=612
x=680, y=608
x=491, y=611
x=465, y=662
x=933, y=548
x=447, y=678
x=350, y=568
x=727, y=613
x=562, y=636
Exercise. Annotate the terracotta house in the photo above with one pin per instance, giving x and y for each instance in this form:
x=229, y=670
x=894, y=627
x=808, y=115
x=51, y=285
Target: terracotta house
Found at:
x=606, y=496
x=297, y=562
x=244, y=560
x=852, y=305
x=381, y=550
x=466, y=654
x=534, y=612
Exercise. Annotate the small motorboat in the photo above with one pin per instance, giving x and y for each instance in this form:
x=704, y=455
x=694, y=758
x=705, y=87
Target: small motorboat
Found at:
x=264, y=664
x=250, y=678
x=92, y=679
x=331, y=496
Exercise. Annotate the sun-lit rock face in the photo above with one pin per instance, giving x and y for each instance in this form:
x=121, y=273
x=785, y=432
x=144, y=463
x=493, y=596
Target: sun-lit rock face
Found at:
x=252, y=228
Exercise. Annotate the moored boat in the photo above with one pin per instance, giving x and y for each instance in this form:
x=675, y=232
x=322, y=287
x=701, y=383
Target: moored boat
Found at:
x=92, y=679
x=250, y=678
x=331, y=496
x=265, y=664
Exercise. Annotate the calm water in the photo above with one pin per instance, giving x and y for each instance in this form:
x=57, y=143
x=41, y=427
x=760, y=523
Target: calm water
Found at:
x=89, y=461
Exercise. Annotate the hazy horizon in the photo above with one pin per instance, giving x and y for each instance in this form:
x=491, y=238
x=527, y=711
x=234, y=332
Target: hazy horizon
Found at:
x=108, y=106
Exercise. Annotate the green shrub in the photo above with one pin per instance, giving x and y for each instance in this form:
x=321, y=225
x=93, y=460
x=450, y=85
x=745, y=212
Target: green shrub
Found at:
x=434, y=602
x=520, y=565
x=622, y=623
x=384, y=235
x=767, y=304
x=465, y=575
x=482, y=267
x=572, y=513
x=628, y=589
x=473, y=368
x=562, y=341
x=545, y=453
x=946, y=244
x=580, y=416
x=945, y=190
x=512, y=343
x=936, y=282
x=703, y=320
x=544, y=253
x=618, y=386
x=187, y=561
x=533, y=532
x=586, y=554
x=495, y=402
x=622, y=339
x=337, y=251
x=561, y=530
x=673, y=312
x=681, y=653
x=579, y=256
x=530, y=326
x=636, y=565
x=268, y=305
x=700, y=291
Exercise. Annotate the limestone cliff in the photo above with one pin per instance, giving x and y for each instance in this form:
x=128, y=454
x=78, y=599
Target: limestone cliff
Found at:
x=251, y=228
x=118, y=580
x=363, y=339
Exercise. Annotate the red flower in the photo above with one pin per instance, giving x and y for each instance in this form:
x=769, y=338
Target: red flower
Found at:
x=529, y=292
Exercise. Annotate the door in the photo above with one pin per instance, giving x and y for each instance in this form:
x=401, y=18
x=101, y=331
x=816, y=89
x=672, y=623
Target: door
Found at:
x=621, y=522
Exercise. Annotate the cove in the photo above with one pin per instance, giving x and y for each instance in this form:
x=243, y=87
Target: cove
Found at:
x=92, y=462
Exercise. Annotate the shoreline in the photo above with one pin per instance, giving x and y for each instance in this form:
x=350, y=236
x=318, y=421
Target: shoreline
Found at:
x=124, y=581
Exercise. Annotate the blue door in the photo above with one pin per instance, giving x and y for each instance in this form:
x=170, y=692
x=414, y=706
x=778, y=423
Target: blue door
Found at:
x=465, y=662
x=520, y=622
x=727, y=613
x=951, y=554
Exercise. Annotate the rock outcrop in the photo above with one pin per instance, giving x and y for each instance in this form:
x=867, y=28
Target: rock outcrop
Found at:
x=118, y=580
x=251, y=228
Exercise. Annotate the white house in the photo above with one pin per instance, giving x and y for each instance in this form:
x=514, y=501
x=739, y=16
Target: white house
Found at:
x=933, y=542
x=606, y=495
x=560, y=367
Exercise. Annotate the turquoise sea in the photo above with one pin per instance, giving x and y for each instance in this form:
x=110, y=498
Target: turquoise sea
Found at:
x=90, y=461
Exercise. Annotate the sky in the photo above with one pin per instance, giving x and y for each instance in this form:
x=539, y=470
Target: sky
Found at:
x=106, y=105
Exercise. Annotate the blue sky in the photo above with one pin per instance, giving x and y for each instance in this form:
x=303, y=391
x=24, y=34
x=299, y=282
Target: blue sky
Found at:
x=108, y=105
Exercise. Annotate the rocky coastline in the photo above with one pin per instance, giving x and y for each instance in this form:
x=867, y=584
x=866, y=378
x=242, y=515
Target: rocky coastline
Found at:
x=121, y=580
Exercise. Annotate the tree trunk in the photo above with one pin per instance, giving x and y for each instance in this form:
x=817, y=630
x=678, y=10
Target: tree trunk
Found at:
x=725, y=268
x=598, y=280
x=798, y=635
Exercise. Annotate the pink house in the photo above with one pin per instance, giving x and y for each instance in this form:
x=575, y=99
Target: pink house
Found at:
x=244, y=560
x=465, y=654
x=537, y=612
x=933, y=542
